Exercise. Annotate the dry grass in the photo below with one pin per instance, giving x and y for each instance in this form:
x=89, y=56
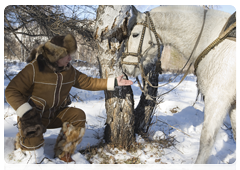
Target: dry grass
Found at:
x=174, y=110
x=133, y=160
x=106, y=153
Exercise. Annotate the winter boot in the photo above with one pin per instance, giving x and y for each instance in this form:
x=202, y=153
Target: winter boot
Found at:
x=67, y=141
x=17, y=142
x=27, y=156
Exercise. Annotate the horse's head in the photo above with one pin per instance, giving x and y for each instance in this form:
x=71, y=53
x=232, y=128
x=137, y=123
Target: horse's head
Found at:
x=148, y=55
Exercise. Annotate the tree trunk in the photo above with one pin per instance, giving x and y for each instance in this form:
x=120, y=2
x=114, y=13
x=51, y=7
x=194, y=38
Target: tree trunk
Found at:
x=112, y=28
x=145, y=109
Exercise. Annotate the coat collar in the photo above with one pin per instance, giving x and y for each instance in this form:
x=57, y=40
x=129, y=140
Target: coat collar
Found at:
x=54, y=67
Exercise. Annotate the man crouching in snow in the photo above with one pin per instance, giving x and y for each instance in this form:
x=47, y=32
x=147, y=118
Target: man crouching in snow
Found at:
x=40, y=95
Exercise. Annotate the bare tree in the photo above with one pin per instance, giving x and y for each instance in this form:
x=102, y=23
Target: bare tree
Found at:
x=36, y=22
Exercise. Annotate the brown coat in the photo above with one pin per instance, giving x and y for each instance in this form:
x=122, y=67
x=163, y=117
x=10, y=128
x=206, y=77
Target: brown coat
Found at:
x=48, y=90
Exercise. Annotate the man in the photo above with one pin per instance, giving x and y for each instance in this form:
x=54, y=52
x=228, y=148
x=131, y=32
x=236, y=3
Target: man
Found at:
x=40, y=96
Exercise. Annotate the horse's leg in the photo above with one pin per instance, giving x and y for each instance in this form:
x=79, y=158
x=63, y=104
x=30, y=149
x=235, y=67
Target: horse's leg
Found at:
x=232, y=114
x=234, y=121
x=216, y=108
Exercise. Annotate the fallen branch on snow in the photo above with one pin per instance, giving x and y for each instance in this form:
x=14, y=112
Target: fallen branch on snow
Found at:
x=174, y=128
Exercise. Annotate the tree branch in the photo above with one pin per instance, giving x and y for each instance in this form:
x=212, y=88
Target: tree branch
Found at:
x=5, y=18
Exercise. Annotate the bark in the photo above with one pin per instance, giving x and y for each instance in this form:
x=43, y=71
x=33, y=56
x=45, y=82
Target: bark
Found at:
x=111, y=29
x=113, y=26
x=145, y=109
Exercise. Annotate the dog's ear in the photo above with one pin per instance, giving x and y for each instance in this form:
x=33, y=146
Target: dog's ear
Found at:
x=41, y=62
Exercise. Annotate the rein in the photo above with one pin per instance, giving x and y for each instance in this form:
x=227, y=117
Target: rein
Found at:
x=139, y=53
x=223, y=35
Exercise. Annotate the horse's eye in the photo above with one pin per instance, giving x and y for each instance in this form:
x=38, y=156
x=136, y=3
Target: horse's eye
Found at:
x=135, y=35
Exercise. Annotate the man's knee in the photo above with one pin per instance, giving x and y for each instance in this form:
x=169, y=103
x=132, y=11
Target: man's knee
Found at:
x=78, y=117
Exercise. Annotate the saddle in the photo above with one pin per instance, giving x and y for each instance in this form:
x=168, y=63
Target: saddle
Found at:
x=229, y=25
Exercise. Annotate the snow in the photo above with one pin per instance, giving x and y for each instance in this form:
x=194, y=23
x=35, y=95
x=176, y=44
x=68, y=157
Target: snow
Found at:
x=174, y=117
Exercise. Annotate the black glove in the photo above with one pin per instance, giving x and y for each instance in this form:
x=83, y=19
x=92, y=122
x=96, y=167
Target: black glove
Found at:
x=31, y=124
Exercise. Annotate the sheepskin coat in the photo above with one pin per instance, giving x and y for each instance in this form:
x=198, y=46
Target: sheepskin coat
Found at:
x=47, y=90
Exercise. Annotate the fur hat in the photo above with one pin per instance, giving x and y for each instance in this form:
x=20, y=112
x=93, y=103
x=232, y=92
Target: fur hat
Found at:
x=55, y=49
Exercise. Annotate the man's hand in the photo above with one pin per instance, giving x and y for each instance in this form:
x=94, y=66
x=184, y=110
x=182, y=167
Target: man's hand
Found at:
x=123, y=82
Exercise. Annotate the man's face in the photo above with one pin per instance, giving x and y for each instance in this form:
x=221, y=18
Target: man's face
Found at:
x=64, y=61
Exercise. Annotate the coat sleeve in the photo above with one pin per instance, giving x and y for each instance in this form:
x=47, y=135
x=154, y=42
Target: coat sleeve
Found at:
x=82, y=81
x=19, y=89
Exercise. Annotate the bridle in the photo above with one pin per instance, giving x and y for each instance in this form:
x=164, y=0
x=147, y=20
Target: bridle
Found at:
x=147, y=23
x=139, y=54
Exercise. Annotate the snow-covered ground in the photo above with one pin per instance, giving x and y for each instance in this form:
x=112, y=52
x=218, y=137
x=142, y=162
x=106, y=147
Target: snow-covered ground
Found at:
x=174, y=117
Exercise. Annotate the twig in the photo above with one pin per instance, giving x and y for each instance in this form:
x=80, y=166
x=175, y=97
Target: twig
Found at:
x=5, y=18
x=76, y=98
x=12, y=51
x=7, y=76
x=175, y=128
x=229, y=128
x=29, y=159
x=178, y=149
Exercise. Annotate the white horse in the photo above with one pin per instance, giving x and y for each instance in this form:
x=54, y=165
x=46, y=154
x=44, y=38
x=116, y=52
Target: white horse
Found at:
x=180, y=26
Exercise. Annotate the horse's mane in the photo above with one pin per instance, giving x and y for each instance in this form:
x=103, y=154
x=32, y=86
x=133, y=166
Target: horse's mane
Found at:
x=187, y=10
x=167, y=8
x=184, y=8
